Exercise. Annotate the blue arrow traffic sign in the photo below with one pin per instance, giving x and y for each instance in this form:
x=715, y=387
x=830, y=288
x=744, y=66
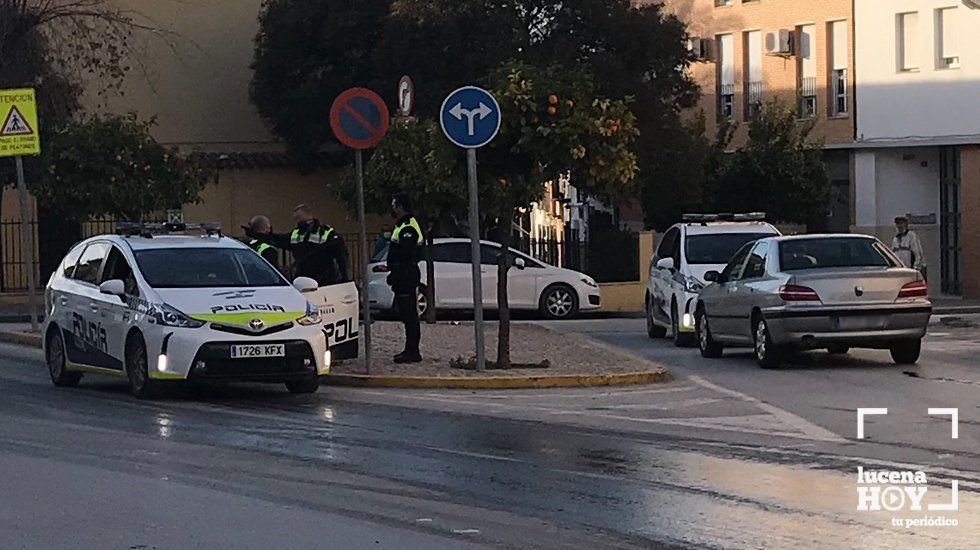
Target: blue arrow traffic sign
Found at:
x=470, y=117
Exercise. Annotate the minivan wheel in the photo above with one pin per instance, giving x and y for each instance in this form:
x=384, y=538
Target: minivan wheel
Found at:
x=137, y=369
x=653, y=329
x=681, y=339
x=767, y=354
x=906, y=352
x=61, y=377
x=709, y=348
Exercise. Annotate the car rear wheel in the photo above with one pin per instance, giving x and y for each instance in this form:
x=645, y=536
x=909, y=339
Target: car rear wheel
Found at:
x=709, y=348
x=137, y=369
x=653, y=329
x=308, y=385
x=767, y=354
x=61, y=377
x=558, y=302
x=681, y=339
x=906, y=352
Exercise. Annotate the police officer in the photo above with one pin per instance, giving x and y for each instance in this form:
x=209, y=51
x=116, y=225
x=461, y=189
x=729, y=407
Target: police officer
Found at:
x=318, y=251
x=404, y=276
x=260, y=225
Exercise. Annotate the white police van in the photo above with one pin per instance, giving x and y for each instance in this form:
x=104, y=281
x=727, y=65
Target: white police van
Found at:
x=688, y=250
x=156, y=306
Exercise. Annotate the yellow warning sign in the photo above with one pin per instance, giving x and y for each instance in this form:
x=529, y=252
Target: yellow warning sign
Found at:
x=18, y=123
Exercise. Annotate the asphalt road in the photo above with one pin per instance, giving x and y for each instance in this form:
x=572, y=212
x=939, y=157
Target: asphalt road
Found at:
x=724, y=456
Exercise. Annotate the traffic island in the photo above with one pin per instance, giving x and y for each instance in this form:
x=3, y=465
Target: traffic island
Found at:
x=541, y=358
x=23, y=338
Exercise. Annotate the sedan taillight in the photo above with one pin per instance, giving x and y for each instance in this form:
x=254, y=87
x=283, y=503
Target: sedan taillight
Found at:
x=380, y=268
x=794, y=293
x=916, y=289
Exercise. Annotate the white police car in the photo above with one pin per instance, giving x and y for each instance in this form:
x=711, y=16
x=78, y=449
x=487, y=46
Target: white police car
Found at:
x=153, y=306
x=688, y=250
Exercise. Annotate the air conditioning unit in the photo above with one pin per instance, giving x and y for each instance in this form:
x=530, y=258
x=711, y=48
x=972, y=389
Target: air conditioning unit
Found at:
x=700, y=48
x=779, y=42
x=972, y=4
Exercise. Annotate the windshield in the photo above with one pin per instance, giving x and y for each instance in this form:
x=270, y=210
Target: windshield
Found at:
x=717, y=248
x=802, y=254
x=205, y=268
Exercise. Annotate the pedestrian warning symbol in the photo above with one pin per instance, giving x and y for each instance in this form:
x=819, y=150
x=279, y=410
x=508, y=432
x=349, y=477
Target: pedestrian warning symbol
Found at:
x=18, y=123
x=15, y=125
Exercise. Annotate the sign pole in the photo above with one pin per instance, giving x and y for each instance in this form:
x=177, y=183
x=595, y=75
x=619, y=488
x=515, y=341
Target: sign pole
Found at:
x=365, y=298
x=26, y=241
x=475, y=250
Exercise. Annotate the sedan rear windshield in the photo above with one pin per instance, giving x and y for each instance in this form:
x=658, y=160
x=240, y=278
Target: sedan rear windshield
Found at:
x=800, y=254
x=205, y=268
x=717, y=248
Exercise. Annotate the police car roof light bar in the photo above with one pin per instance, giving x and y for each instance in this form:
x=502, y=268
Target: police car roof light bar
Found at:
x=148, y=230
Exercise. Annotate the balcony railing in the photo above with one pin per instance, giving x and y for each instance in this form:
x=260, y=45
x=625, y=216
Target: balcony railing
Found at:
x=753, y=99
x=808, y=97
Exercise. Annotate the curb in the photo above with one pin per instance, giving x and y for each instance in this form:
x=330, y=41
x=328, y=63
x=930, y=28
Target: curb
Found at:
x=496, y=382
x=22, y=338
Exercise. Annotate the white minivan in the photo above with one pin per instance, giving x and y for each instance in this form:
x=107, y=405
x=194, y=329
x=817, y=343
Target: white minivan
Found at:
x=688, y=250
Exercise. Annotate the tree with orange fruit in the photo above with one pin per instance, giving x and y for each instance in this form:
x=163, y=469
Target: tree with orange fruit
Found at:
x=554, y=123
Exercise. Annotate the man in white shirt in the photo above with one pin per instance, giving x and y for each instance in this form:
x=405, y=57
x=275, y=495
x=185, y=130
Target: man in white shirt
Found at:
x=907, y=247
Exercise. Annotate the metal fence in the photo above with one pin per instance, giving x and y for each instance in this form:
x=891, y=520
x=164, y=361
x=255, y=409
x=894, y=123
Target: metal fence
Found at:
x=13, y=268
x=606, y=256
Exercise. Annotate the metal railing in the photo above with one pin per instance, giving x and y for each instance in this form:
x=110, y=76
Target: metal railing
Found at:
x=753, y=99
x=808, y=97
x=13, y=261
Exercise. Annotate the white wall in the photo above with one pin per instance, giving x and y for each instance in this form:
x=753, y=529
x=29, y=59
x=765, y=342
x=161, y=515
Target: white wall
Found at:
x=932, y=102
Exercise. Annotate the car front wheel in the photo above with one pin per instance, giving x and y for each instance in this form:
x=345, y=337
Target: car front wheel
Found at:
x=653, y=329
x=137, y=369
x=709, y=348
x=767, y=354
x=681, y=339
x=559, y=302
x=307, y=385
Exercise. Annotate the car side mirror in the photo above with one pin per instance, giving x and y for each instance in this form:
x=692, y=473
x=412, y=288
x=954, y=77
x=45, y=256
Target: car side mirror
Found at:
x=305, y=284
x=665, y=263
x=519, y=263
x=713, y=277
x=114, y=287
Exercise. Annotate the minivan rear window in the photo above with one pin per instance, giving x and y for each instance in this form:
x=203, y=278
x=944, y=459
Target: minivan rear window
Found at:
x=817, y=253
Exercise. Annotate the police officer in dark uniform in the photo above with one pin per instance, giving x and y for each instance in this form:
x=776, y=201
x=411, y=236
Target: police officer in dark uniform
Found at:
x=318, y=251
x=404, y=276
x=260, y=225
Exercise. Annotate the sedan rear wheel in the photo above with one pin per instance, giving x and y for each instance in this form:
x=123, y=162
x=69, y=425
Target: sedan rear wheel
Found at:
x=767, y=354
x=906, y=352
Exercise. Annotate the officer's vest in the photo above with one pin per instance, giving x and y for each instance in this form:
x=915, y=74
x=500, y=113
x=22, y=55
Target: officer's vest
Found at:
x=261, y=248
x=314, y=238
x=396, y=234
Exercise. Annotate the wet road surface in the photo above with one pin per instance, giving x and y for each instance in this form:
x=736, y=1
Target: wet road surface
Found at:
x=254, y=467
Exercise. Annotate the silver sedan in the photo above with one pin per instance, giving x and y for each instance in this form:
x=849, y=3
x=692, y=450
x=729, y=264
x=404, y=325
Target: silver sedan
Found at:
x=829, y=292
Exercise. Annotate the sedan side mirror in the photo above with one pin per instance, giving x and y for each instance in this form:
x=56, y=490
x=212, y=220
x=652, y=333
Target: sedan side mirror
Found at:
x=713, y=277
x=114, y=287
x=305, y=284
x=519, y=263
x=665, y=263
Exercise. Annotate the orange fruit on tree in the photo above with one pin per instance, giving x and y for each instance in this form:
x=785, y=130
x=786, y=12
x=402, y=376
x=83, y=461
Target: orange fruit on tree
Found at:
x=552, y=110
x=570, y=103
x=553, y=99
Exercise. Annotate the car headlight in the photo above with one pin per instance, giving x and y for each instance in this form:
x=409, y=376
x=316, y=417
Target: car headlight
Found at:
x=692, y=284
x=171, y=317
x=312, y=316
x=589, y=282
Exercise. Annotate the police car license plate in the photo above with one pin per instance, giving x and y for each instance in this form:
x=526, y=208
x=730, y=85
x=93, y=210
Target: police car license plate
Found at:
x=248, y=351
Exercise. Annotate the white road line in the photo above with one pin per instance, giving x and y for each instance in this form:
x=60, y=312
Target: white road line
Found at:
x=808, y=428
x=562, y=396
x=665, y=406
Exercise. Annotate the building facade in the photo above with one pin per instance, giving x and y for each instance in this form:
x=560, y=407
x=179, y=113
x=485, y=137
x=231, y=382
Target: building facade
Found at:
x=750, y=52
x=917, y=147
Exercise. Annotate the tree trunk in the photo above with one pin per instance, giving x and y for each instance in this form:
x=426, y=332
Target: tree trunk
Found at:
x=430, y=277
x=503, y=306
